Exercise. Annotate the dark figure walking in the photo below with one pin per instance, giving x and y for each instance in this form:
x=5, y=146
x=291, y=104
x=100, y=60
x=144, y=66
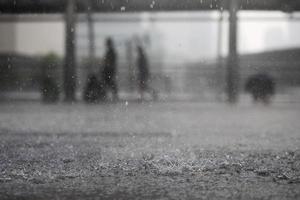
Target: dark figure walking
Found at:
x=144, y=74
x=261, y=87
x=109, y=69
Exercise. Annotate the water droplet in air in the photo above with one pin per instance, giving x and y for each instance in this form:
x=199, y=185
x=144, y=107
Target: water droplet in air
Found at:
x=152, y=4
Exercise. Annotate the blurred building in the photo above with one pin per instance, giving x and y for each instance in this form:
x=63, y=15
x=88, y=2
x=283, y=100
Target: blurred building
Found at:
x=283, y=65
x=8, y=37
x=181, y=50
x=206, y=79
x=19, y=72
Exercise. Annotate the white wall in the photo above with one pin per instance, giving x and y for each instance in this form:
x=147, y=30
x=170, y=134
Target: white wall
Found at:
x=40, y=37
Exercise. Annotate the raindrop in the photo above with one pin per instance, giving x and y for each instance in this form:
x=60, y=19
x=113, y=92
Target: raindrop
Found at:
x=123, y=8
x=152, y=4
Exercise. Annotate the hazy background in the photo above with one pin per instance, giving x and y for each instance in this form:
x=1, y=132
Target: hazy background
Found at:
x=180, y=36
x=186, y=54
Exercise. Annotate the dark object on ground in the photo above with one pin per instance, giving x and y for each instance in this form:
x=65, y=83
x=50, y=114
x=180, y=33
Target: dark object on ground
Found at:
x=94, y=90
x=261, y=87
x=50, y=90
x=109, y=68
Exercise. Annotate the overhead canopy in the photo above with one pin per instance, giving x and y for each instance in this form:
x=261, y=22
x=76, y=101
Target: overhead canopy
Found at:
x=58, y=6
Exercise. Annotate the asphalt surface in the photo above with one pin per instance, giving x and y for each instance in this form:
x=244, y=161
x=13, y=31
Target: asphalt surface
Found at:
x=149, y=151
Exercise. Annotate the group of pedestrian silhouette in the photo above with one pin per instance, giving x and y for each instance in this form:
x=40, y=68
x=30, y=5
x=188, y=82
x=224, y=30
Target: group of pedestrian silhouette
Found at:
x=99, y=85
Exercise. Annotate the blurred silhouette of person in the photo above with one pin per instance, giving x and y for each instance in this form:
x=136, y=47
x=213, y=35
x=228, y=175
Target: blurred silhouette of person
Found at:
x=50, y=90
x=94, y=90
x=144, y=74
x=261, y=87
x=110, y=68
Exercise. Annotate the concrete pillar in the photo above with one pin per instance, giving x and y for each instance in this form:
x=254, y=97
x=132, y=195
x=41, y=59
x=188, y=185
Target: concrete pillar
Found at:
x=91, y=34
x=70, y=64
x=219, y=70
x=232, y=60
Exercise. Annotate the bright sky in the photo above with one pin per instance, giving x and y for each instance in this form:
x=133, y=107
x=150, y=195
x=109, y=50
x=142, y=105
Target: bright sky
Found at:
x=185, y=40
x=40, y=37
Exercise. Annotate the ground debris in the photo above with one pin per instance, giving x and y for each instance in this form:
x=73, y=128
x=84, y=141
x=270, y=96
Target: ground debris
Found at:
x=294, y=180
x=37, y=180
x=263, y=172
x=5, y=179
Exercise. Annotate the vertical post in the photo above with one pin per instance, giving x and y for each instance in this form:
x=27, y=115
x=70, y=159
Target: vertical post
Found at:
x=232, y=60
x=70, y=65
x=91, y=36
x=219, y=72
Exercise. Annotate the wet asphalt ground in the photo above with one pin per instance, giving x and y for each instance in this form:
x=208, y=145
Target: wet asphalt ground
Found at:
x=149, y=151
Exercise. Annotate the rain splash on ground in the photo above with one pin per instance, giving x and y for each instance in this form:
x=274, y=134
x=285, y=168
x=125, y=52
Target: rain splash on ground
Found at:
x=131, y=150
